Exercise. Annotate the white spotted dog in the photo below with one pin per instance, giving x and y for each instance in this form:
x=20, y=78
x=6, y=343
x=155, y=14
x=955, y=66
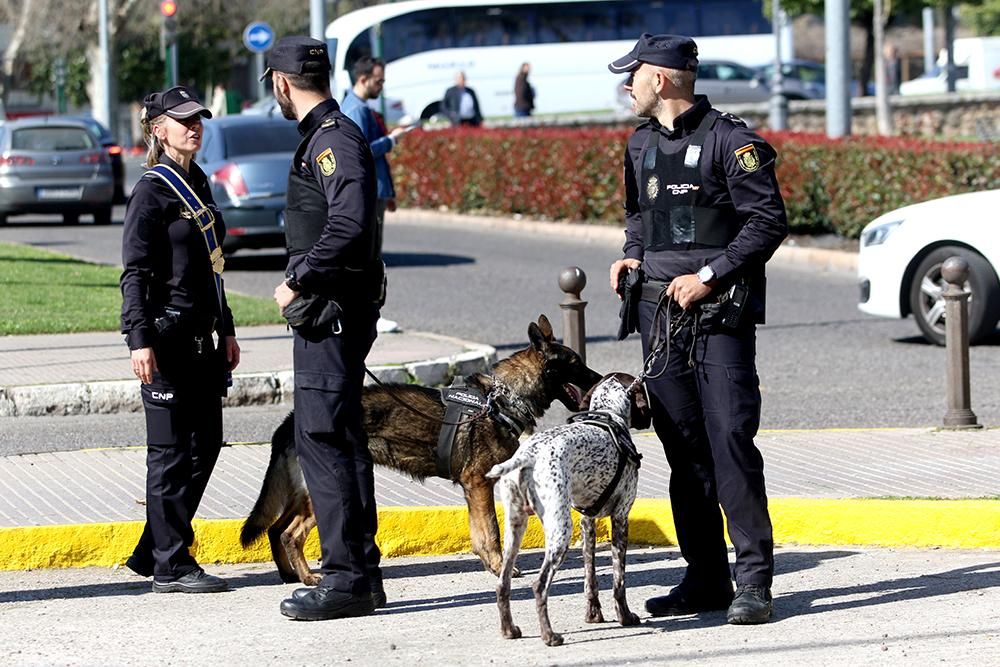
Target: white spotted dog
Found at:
x=589, y=464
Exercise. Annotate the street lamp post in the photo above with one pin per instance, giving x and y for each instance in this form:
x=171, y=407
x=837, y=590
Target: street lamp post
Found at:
x=778, y=118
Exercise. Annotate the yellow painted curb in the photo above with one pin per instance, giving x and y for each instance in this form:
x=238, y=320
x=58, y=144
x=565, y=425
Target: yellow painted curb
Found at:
x=410, y=531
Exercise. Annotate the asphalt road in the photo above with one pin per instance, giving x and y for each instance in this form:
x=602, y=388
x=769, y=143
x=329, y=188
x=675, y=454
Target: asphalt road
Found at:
x=822, y=363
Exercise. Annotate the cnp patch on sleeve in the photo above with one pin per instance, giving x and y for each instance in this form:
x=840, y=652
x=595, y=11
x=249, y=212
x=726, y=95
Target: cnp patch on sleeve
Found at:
x=327, y=163
x=747, y=158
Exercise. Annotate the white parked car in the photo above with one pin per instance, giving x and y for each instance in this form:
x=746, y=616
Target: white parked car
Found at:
x=899, y=266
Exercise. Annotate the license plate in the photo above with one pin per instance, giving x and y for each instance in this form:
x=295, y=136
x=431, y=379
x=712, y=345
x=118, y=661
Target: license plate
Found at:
x=63, y=194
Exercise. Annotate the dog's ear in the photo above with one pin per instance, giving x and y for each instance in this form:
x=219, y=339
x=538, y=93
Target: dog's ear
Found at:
x=642, y=415
x=545, y=327
x=538, y=339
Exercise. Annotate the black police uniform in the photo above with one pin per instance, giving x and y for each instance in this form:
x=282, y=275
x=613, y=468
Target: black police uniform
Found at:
x=705, y=193
x=170, y=303
x=332, y=241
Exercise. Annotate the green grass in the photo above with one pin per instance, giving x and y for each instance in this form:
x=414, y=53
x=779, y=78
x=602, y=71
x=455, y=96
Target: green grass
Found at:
x=47, y=292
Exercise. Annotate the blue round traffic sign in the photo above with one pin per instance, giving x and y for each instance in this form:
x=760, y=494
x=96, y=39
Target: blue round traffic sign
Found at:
x=258, y=36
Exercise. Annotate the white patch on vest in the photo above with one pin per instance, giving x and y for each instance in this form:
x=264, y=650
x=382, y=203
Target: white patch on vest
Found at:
x=160, y=396
x=692, y=155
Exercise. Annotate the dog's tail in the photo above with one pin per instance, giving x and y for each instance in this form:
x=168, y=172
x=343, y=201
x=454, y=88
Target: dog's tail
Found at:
x=522, y=459
x=274, y=490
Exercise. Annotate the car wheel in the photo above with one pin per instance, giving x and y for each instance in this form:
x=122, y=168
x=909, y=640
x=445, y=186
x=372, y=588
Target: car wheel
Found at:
x=927, y=302
x=71, y=218
x=102, y=216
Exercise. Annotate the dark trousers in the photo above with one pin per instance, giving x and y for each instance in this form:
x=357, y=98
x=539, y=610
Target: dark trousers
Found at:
x=184, y=437
x=333, y=449
x=707, y=417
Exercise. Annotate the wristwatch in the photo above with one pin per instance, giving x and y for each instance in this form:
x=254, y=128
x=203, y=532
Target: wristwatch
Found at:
x=292, y=282
x=706, y=274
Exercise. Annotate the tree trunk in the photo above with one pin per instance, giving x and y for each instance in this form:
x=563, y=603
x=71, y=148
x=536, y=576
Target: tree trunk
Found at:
x=14, y=48
x=867, y=61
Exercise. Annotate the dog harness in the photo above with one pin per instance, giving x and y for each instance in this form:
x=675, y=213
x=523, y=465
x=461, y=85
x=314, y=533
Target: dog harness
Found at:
x=627, y=451
x=464, y=404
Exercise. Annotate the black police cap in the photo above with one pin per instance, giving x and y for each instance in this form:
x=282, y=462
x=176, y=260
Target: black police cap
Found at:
x=178, y=102
x=298, y=55
x=671, y=51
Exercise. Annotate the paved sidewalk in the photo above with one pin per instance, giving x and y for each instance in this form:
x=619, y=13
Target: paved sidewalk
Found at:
x=89, y=373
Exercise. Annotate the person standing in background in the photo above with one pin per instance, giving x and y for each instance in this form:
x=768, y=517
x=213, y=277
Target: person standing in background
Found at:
x=461, y=105
x=524, y=93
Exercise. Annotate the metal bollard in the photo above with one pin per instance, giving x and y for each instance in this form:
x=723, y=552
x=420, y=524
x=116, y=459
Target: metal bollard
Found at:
x=955, y=272
x=572, y=280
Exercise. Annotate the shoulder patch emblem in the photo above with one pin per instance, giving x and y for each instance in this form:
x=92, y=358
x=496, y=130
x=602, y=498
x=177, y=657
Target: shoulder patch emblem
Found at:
x=327, y=163
x=329, y=122
x=747, y=158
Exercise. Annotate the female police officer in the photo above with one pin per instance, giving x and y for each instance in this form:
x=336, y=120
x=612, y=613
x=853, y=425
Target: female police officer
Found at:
x=173, y=301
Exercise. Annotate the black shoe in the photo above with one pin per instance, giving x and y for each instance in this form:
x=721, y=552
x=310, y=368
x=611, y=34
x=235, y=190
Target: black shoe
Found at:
x=322, y=603
x=753, y=604
x=195, y=581
x=378, y=594
x=684, y=600
x=141, y=566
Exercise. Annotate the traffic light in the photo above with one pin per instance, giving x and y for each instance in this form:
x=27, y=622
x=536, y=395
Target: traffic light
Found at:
x=168, y=29
x=168, y=40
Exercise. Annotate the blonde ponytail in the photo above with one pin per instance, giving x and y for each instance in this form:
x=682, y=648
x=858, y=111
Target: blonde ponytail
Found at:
x=154, y=149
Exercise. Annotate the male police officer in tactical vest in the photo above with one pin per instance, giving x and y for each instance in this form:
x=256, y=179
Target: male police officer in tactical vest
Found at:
x=334, y=286
x=703, y=214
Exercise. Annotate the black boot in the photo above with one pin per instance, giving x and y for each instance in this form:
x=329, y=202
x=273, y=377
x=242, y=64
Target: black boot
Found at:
x=378, y=594
x=195, y=581
x=691, y=599
x=753, y=604
x=322, y=603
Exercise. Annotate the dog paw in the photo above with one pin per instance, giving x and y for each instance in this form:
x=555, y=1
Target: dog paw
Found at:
x=513, y=632
x=312, y=580
x=554, y=639
x=594, y=615
x=629, y=619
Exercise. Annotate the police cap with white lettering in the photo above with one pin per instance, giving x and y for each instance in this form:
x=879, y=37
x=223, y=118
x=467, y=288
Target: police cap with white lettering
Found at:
x=178, y=102
x=298, y=54
x=670, y=51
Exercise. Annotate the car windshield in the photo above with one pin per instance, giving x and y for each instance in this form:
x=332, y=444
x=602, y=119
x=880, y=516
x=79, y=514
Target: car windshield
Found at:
x=52, y=139
x=255, y=138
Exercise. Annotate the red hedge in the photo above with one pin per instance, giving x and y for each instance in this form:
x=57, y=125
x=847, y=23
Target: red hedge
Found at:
x=576, y=174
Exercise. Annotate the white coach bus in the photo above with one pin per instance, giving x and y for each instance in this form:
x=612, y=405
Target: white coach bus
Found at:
x=568, y=44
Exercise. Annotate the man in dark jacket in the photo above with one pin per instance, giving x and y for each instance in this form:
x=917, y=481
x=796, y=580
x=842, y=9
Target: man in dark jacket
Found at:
x=703, y=214
x=332, y=241
x=460, y=104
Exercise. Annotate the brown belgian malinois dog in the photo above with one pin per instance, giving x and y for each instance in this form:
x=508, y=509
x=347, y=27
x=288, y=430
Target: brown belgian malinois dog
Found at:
x=530, y=380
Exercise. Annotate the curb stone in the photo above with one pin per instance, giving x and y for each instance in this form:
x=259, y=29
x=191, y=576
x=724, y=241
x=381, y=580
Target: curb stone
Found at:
x=113, y=396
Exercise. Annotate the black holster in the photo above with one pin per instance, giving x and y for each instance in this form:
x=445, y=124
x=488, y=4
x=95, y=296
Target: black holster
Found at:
x=630, y=291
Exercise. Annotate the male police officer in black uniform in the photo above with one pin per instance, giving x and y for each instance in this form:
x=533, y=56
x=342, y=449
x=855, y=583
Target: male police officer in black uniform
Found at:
x=332, y=243
x=703, y=214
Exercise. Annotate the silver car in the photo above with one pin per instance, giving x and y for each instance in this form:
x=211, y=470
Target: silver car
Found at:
x=54, y=165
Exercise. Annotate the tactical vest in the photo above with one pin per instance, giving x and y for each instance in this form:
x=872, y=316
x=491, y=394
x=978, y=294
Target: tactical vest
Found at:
x=306, y=207
x=306, y=217
x=679, y=221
